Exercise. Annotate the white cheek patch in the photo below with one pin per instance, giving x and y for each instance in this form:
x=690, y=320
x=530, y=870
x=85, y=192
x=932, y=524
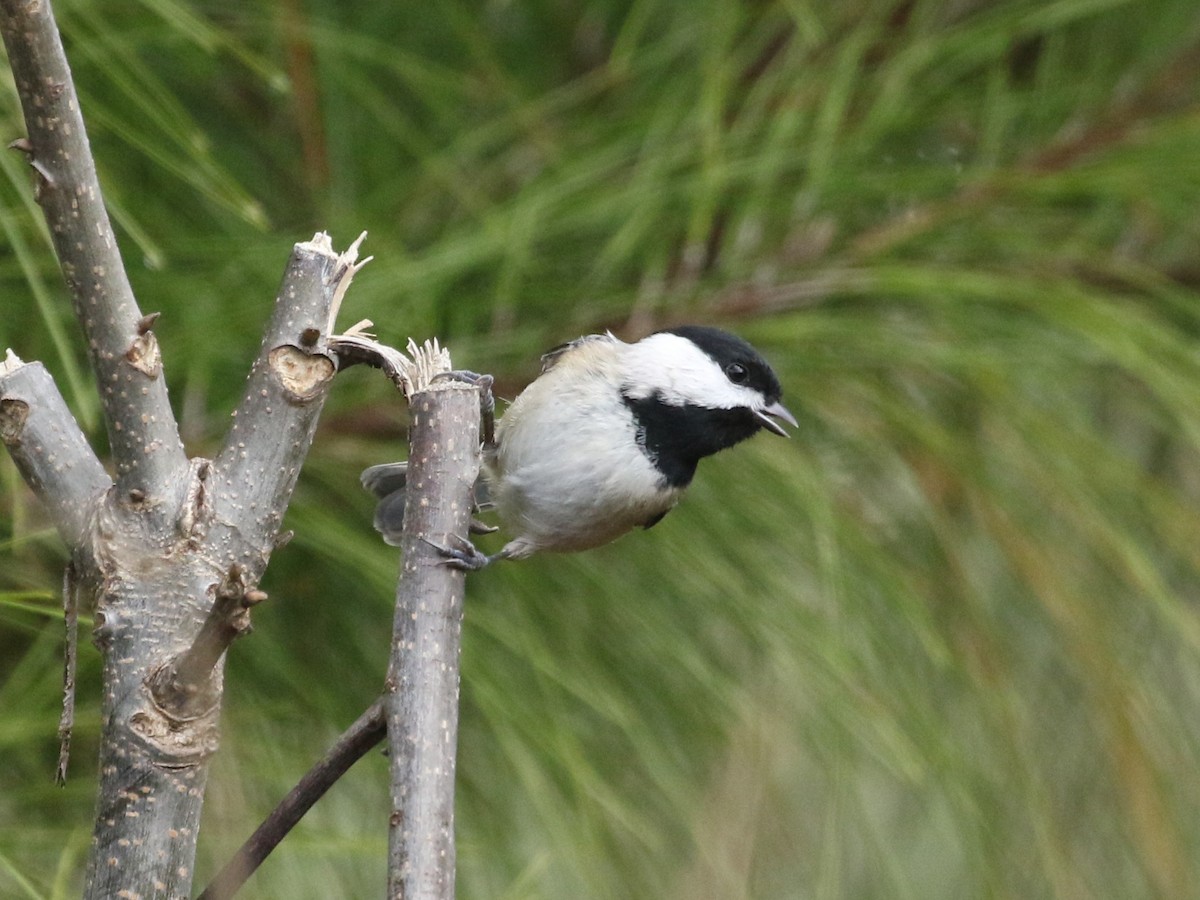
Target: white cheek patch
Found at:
x=680, y=373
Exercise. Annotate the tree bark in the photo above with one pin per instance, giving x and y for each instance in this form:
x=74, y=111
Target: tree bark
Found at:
x=419, y=707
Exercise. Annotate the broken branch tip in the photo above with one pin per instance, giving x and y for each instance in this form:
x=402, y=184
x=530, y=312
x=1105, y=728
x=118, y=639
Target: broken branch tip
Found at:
x=10, y=363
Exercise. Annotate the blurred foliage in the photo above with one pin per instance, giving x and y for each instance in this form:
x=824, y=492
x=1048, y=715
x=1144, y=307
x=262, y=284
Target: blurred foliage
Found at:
x=941, y=644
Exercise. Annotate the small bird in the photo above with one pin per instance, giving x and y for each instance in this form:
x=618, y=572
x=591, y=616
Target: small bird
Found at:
x=606, y=439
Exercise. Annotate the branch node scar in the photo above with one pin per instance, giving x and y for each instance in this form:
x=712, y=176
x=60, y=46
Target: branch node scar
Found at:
x=13, y=415
x=301, y=375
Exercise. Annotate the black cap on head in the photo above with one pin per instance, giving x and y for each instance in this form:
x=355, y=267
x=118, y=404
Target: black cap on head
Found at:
x=730, y=350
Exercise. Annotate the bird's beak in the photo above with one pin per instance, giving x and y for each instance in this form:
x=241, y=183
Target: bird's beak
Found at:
x=768, y=414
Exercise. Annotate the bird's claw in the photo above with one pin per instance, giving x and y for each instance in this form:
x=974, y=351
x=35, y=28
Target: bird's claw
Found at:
x=460, y=554
x=466, y=376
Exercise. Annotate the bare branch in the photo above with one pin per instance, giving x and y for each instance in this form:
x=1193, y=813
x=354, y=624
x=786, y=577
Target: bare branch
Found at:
x=354, y=743
x=447, y=440
x=274, y=424
x=48, y=447
x=66, y=721
x=175, y=579
x=357, y=346
x=141, y=426
x=423, y=675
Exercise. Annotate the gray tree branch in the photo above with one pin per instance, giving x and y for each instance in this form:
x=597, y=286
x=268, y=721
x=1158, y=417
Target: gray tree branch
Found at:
x=186, y=684
x=294, y=365
x=50, y=450
x=421, y=697
x=121, y=347
x=279, y=409
x=54, y=458
x=424, y=726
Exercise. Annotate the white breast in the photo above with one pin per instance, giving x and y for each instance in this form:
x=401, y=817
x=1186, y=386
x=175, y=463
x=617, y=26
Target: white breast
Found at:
x=593, y=483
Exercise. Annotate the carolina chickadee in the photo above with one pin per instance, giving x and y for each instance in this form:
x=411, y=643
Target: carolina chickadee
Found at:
x=606, y=438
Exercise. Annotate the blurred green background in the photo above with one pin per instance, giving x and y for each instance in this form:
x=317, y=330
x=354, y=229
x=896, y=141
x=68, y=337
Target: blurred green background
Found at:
x=941, y=644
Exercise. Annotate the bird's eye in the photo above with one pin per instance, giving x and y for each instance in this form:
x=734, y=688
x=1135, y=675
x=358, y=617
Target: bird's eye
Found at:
x=736, y=373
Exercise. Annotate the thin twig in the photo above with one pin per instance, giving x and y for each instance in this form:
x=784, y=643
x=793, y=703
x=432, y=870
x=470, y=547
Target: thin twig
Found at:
x=66, y=721
x=354, y=743
x=411, y=373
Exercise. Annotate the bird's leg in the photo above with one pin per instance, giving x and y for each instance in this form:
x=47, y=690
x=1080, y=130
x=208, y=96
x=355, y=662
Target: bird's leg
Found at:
x=461, y=554
x=487, y=401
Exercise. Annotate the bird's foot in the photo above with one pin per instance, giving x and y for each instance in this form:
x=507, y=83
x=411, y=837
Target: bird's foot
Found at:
x=459, y=553
x=466, y=376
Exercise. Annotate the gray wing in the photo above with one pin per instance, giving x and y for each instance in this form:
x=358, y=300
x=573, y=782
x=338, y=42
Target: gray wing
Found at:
x=551, y=357
x=385, y=479
x=388, y=482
